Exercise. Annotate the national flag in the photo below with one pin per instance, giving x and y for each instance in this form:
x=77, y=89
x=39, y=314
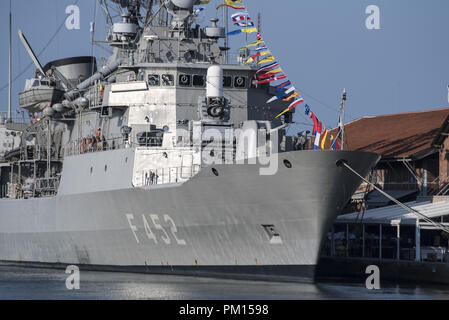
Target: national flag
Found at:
x=280, y=77
x=294, y=95
x=323, y=141
x=267, y=59
x=282, y=86
x=259, y=54
x=291, y=106
x=234, y=4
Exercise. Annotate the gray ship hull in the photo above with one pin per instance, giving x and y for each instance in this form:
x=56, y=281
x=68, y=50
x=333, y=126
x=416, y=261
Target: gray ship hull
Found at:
x=239, y=223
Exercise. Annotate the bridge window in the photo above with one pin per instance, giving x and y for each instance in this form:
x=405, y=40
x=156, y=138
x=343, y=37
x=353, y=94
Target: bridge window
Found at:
x=227, y=81
x=185, y=80
x=240, y=82
x=168, y=80
x=198, y=81
x=153, y=80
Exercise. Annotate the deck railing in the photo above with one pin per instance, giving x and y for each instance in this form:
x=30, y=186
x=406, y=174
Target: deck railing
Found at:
x=166, y=175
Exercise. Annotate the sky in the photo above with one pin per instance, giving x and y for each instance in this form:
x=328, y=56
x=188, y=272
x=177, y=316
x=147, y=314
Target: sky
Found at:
x=323, y=46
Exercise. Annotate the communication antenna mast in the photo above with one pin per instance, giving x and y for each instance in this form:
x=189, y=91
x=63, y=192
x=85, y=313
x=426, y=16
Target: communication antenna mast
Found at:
x=259, y=29
x=10, y=66
x=226, y=26
x=342, y=118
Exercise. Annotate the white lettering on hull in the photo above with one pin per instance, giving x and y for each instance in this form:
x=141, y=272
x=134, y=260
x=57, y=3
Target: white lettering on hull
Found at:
x=164, y=233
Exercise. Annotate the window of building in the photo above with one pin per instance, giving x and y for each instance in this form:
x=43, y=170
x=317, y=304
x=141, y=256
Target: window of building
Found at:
x=168, y=80
x=227, y=81
x=154, y=80
x=240, y=82
x=198, y=81
x=185, y=80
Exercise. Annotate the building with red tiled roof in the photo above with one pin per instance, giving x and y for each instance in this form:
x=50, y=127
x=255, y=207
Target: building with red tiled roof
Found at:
x=402, y=135
x=414, y=149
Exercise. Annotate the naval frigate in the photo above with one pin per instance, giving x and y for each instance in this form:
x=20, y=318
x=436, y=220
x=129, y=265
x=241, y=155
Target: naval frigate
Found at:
x=166, y=159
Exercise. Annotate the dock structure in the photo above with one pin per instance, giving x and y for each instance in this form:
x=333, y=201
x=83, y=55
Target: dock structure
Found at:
x=393, y=233
x=405, y=247
x=408, y=242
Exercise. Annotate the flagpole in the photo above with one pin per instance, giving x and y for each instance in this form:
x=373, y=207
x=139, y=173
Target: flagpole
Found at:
x=258, y=30
x=225, y=22
x=10, y=63
x=246, y=26
x=342, y=119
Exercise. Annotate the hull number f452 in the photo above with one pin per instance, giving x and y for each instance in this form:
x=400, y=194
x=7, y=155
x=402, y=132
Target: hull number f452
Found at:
x=155, y=231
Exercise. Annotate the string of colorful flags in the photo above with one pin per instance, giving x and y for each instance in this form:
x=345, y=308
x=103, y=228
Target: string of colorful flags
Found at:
x=269, y=71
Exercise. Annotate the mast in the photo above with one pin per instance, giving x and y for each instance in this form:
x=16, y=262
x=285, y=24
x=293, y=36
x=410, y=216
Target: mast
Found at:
x=10, y=63
x=342, y=119
x=225, y=21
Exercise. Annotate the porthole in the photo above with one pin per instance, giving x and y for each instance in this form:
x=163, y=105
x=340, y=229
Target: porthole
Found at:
x=91, y=170
x=105, y=167
x=288, y=164
x=215, y=172
x=126, y=160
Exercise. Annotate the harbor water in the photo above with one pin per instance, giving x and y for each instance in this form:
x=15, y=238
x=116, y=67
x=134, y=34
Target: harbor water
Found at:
x=34, y=283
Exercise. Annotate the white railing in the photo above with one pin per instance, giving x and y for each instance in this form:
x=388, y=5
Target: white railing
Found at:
x=166, y=175
x=94, y=144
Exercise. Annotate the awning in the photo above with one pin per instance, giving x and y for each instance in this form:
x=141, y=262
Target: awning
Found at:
x=385, y=215
x=376, y=199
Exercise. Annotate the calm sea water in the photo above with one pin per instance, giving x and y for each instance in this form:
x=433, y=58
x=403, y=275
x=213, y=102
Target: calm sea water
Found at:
x=32, y=283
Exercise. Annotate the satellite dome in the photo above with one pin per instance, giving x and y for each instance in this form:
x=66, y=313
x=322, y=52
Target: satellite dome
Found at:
x=184, y=4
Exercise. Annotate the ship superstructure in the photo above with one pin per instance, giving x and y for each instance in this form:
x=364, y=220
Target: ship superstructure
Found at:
x=165, y=159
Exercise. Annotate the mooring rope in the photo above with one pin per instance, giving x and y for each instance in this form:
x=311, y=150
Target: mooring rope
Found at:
x=404, y=206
